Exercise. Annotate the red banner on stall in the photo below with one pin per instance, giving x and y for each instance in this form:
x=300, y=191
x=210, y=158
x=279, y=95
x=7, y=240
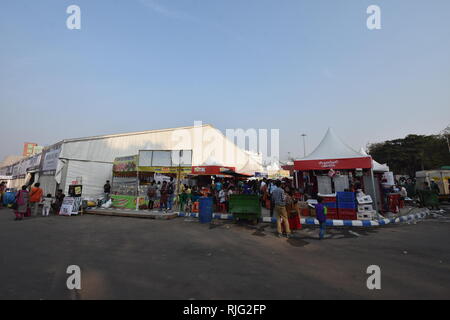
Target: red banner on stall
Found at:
x=326, y=164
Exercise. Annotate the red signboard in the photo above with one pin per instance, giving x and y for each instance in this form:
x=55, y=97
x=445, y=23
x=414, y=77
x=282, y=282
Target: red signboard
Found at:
x=326, y=164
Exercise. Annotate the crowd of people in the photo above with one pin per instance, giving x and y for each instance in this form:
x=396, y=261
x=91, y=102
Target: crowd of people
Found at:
x=30, y=200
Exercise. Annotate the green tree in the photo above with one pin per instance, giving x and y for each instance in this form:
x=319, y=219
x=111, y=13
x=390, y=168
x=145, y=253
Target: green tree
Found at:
x=412, y=153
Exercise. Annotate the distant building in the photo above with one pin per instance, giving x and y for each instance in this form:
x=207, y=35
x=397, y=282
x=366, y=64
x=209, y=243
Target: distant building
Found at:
x=28, y=148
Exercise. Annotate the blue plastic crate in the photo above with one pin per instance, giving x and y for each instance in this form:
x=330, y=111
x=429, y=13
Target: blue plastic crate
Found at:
x=346, y=196
x=346, y=205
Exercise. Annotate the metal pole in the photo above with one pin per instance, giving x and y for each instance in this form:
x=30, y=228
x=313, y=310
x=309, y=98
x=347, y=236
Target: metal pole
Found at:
x=374, y=189
x=304, y=145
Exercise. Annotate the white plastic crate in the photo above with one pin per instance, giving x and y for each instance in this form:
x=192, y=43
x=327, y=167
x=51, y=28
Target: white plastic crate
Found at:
x=367, y=215
x=365, y=207
x=364, y=200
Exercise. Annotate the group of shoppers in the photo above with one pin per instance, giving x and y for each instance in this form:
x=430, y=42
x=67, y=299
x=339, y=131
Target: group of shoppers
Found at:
x=163, y=192
x=28, y=202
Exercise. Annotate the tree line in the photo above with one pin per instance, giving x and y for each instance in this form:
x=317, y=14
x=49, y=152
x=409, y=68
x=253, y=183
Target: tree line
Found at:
x=413, y=153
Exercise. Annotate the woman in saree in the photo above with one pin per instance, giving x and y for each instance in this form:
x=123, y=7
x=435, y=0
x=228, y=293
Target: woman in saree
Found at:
x=22, y=198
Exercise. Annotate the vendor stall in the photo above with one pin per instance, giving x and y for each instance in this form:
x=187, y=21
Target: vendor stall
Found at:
x=334, y=167
x=133, y=174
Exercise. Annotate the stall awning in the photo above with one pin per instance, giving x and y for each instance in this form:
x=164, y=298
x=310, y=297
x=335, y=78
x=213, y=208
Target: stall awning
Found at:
x=237, y=174
x=333, y=153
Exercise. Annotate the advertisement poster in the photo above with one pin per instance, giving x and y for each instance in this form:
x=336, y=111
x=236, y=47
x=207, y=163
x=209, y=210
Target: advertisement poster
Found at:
x=50, y=160
x=67, y=206
x=70, y=206
x=126, y=202
x=125, y=164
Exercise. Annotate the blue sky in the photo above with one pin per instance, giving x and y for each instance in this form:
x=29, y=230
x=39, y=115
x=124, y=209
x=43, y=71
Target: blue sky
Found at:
x=298, y=66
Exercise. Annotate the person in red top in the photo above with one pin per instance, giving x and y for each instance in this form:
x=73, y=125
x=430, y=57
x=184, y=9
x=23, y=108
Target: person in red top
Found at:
x=35, y=198
x=2, y=191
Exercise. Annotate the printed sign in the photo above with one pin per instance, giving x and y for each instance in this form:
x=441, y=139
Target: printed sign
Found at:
x=70, y=206
x=125, y=164
x=184, y=170
x=67, y=206
x=50, y=162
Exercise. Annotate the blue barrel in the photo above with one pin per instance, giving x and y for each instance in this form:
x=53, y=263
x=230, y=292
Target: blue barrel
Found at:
x=9, y=198
x=205, y=210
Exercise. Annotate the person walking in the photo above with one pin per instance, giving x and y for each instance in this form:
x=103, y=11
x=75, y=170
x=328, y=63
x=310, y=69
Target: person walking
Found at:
x=170, y=194
x=35, y=198
x=321, y=217
x=164, y=197
x=2, y=192
x=59, y=199
x=279, y=201
x=107, y=190
x=152, y=194
x=271, y=189
x=22, y=198
x=47, y=204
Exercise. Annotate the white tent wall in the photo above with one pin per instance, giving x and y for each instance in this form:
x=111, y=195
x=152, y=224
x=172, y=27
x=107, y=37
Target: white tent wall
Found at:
x=205, y=141
x=92, y=158
x=17, y=183
x=48, y=184
x=93, y=174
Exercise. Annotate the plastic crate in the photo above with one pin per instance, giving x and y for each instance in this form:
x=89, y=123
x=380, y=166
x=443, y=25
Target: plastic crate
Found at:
x=367, y=215
x=332, y=210
x=365, y=208
x=347, y=205
x=330, y=205
x=345, y=196
x=332, y=216
x=346, y=211
x=347, y=216
x=305, y=212
x=329, y=199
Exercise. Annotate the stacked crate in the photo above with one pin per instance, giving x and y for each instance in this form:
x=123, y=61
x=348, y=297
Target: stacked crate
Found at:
x=365, y=208
x=346, y=204
x=330, y=203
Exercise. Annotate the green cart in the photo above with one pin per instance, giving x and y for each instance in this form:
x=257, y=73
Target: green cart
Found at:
x=245, y=207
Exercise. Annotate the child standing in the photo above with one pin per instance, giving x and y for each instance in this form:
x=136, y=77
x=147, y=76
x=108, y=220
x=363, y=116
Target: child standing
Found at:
x=321, y=212
x=47, y=204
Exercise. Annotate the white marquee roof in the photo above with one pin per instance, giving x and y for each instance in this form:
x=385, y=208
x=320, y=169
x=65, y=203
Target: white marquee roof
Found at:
x=332, y=147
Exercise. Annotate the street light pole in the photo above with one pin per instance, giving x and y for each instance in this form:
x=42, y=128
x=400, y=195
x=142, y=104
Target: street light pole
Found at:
x=304, y=145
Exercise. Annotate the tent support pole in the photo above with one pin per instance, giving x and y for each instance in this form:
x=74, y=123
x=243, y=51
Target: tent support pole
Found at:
x=374, y=190
x=137, y=192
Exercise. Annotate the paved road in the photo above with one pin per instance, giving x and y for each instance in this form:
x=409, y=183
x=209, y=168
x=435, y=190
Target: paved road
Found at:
x=128, y=258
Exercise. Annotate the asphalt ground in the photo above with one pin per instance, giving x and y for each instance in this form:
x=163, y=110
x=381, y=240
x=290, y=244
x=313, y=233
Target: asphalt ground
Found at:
x=130, y=258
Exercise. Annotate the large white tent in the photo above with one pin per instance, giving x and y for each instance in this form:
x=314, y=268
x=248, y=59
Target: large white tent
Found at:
x=333, y=153
x=91, y=159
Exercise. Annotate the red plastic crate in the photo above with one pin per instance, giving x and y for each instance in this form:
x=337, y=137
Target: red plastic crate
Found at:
x=332, y=216
x=332, y=211
x=329, y=199
x=347, y=216
x=346, y=211
x=305, y=212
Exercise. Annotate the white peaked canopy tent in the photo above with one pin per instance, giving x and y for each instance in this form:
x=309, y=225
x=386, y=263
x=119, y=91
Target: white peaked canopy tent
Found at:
x=377, y=167
x=333, y=153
